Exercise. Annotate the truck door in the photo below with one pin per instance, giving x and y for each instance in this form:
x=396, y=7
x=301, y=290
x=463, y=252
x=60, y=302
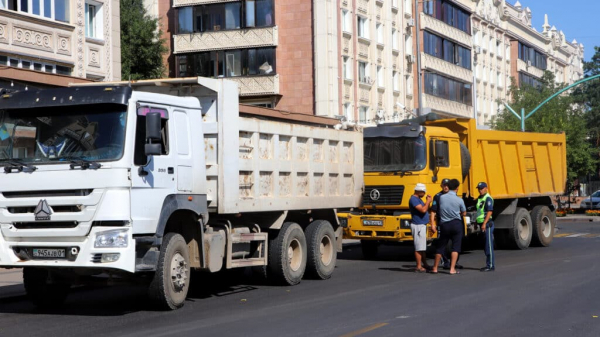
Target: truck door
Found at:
x=448, y=164
x=154, y=177
x=185, y=177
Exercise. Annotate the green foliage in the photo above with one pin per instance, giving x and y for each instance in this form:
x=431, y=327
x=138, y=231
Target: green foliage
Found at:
x=560, y=114
x=142, y=47
x=588, y=95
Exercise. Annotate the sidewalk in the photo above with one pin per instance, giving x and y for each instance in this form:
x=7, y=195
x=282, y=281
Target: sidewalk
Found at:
x=11, y=283
x=577, y=218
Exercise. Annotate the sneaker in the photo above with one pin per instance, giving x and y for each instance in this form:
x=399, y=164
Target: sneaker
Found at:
x=486, y=269
x=458, y=266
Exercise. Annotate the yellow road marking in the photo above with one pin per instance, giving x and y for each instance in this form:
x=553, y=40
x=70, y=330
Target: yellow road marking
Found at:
x=591, y=236
x=365, y=330
x=562, y=235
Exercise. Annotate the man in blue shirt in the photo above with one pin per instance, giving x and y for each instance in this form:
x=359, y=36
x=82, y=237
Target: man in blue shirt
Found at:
x=420, y=219
x=452, y=210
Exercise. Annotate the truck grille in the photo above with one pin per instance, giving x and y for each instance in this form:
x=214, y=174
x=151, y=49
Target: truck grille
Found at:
x=385, y=195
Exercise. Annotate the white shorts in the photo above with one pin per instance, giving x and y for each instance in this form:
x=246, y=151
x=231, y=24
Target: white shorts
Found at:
x=419, y=233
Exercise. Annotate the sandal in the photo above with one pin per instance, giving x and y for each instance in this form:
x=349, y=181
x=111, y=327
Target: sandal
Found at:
x=457, y=272
x=423, y=270
x=432, y=272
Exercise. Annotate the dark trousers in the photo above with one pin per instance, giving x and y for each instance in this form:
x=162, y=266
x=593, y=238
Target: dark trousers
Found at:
x=489, y=245
x=451, y=230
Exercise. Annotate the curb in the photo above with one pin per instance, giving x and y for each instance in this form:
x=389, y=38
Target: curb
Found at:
x=590, y=219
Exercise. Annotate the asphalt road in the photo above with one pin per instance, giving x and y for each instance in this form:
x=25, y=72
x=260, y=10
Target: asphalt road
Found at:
x=538, y=292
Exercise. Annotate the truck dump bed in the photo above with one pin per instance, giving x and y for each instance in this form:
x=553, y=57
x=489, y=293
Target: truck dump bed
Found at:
x=257, y=164
x=514, y=164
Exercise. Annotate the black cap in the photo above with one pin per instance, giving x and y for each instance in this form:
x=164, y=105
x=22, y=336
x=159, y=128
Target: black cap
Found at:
x=445, y=181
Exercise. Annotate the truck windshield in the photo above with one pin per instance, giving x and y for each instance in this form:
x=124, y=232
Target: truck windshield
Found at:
x=395, y=154
x=45, y=135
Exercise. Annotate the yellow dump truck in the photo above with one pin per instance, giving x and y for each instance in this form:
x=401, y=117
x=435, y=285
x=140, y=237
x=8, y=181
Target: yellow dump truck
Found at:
x=524, y=172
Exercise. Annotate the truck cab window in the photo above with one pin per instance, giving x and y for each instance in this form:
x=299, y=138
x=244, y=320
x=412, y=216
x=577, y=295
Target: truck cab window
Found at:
x=445, y=162
x=139, y=157
x=395, y=154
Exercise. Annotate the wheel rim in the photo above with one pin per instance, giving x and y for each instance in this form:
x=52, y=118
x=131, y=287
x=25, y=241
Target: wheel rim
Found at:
x=326, y=250
x=546, y=226
x=523, y=229
x=179, y=272
x=294, y=252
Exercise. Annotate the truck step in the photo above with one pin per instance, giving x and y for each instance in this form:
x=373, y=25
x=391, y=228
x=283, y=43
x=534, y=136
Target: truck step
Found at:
x=241, y=238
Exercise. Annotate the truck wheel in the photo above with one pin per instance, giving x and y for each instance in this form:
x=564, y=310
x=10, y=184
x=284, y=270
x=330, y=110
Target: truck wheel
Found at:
x=43, y=289
x=369, y=249
x=171, y=281
x=322, y=254
x=287, y=255
x=544, y=221
x=522, y=231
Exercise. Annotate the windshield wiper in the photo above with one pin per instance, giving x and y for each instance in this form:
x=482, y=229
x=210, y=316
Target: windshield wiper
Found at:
x=17, y=165
x=83, y=163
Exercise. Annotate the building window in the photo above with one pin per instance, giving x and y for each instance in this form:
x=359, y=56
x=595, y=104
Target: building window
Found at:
x=380, y=78
x=228, y=63
x=363, y=115
x=364, y=75
x=525, y=79
x=52, y=9
x=347, y=68
x=93, y=20
x=499, y=48
x=449, y=13
x=446, y=88
x=363, y=27
x=447, y=50
x=529, y=54
x=408, y=45
x=226, y=16
x=346, y=21
x=379, y=33
x=499, y=78
x=348, y=111
x=394, y=39
x=32, y=65
x=396, y=81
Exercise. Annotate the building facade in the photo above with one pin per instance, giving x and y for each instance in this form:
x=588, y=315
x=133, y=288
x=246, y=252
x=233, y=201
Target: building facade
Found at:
x=56, y=42
x=367, y=60
x=471, y=49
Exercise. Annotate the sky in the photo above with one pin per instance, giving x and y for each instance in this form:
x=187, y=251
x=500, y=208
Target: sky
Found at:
x=578, y=19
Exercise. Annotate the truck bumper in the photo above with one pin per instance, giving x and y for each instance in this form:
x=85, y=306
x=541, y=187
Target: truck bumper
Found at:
x=380, y=228
x=18, y=254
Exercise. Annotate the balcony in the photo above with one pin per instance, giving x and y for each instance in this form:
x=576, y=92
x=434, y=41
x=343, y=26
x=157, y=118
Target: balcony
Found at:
x=444, y=29
x=444, y=67
x=447, y=107
x=257, y=85
x=182, y=3
x=227, y=39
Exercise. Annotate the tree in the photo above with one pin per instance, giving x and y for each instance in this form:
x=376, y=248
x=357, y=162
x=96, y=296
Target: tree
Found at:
x=588, y=95
x=142, y=47
x=561, y=114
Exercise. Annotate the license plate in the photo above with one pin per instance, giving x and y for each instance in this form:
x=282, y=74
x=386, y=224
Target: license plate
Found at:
x=49, y=253
x=372, y=222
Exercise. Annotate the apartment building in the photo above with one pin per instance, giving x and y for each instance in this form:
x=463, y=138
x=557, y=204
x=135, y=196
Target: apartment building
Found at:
x=55, y=42
x=470, y=50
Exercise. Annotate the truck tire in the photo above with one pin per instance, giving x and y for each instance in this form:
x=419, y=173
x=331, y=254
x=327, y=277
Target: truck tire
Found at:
x=322, y=252
x=44, y=290
x=522, y=231
x=369, y=249
x=544, y=222
x=171, y=281
x=287, y=255
x=465, y=159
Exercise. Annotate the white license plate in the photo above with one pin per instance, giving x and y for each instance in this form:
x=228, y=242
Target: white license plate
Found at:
x=51, y=253
x=372, y=222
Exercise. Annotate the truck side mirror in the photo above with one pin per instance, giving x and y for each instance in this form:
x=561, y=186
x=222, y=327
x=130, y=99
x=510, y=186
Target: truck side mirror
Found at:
x=153, y=134
x=440, y=154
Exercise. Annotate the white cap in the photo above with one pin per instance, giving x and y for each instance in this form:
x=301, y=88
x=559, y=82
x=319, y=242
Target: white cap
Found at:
x=420, y=187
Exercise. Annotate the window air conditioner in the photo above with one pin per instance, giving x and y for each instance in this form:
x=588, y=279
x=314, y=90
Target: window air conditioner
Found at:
x=410, y=22
x=529, y=63
x=410, y=58
x=477, y=50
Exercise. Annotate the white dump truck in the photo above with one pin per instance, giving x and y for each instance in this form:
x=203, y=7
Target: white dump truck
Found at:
x=152, y=179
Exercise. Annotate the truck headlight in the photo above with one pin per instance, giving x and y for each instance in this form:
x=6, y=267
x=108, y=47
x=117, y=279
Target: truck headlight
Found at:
x=111, y=239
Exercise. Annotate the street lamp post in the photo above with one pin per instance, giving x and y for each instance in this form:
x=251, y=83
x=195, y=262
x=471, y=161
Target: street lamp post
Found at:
x=524, y=117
